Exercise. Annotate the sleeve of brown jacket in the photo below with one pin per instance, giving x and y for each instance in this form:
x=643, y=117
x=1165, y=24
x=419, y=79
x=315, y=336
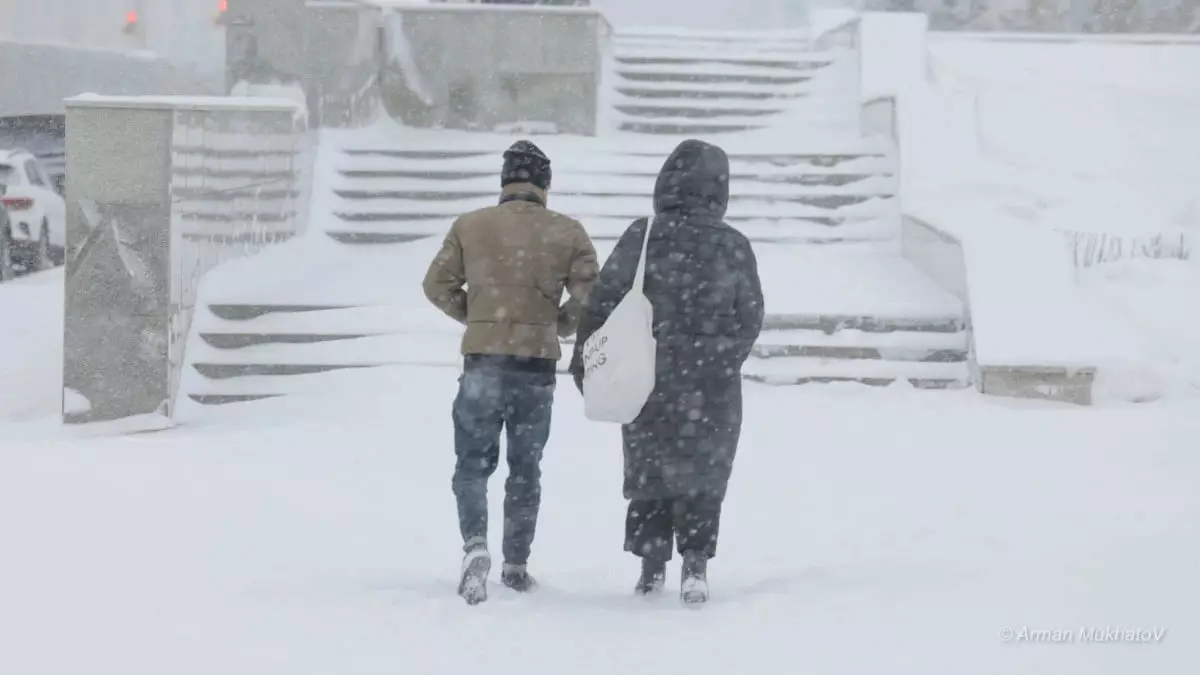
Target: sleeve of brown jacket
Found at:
x=582, y=275
x=446, y=277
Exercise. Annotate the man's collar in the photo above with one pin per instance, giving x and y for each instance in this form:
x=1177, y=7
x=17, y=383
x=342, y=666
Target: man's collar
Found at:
x=523, y=192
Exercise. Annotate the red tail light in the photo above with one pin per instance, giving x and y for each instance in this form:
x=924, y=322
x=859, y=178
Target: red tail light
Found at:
x=17, y=203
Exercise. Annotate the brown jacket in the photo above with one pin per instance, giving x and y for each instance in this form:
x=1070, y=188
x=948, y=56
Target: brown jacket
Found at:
x=515, y=259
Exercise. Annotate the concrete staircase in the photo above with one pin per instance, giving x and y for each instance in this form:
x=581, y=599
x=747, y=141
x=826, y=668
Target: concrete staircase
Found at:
x=243, y=352
x=928, y=352
x=821, y=210
x=698, y=83
x=387, y=193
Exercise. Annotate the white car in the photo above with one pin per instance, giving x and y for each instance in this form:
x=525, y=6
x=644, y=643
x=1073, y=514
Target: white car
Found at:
x=37, y=214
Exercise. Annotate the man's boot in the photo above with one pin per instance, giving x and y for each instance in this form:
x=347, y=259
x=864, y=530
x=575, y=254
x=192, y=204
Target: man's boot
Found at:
x=694, y=587
x=476, y=565
x=518, y=578
x=653, y=579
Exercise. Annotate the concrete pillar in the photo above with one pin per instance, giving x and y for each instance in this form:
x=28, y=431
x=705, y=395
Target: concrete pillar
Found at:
x=159, y=190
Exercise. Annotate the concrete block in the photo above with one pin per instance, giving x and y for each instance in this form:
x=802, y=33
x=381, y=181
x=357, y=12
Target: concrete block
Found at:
x=151, y=207
x=1047, y=383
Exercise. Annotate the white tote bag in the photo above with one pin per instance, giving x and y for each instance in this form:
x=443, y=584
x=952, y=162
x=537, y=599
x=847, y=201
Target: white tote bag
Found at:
x=618, y=359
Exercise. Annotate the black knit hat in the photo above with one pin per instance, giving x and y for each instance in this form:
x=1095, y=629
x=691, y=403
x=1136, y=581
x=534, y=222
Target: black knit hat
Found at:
x=525, y=162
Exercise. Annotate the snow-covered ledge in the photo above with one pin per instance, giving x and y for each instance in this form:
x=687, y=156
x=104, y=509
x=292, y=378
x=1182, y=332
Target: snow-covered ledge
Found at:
x=1027, y=340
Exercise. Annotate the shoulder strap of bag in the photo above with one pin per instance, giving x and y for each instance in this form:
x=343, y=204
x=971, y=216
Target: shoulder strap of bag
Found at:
x=639, y=278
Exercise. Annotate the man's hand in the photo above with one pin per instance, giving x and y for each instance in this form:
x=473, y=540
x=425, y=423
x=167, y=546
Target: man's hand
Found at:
x=446, y=277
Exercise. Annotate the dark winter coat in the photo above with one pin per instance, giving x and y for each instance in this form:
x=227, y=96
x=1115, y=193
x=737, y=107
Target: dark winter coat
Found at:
x=702, y=280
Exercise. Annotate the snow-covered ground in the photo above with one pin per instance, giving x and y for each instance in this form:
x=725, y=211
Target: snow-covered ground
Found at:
x=31, y=347
x=866, y=531
x=1152, y=307
x=888, y=531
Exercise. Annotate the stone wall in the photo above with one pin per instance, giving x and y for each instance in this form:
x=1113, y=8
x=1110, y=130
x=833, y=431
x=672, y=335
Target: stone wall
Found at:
x=330, y=49
x=484, y=66
x=159, y=191
x=469, y=66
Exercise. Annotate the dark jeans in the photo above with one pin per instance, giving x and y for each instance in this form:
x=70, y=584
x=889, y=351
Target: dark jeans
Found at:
x=651, y=524
x=518, y=400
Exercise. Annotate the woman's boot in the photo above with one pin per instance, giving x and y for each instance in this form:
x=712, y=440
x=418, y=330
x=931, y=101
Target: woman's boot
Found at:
x=654, y=577
x=694, y=587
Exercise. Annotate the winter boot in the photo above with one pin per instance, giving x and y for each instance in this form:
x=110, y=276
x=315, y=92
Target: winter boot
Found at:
x=653, y=579
x=694, y=587
x=518, y=578
x=476, y=565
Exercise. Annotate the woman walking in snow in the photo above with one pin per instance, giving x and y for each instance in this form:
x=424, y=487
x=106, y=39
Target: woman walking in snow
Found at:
x=702, y=281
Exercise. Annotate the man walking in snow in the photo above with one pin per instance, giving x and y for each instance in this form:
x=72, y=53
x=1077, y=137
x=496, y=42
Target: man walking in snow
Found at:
x=515, y=260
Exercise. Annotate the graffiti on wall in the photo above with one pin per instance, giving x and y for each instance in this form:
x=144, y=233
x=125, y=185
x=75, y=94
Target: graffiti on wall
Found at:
x=115, y=347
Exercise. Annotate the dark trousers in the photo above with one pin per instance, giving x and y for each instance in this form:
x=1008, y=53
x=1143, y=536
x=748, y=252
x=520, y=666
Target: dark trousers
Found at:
x=693, y=521
x=491, y=399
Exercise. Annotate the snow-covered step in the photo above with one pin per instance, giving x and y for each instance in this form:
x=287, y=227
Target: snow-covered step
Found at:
x=602, y=183
x=711, y=74
x=582, y=206
x=693, y=108
x=736, y=93
x=876, y=235
x=385, y=161
x=715, y=74
x=260, y=387
x=771, y=176
x=701, y=64
x=948, y=322
x=220, y=366
x=901, y=340
x=881, y=333
x=299, y=357
x=580, y=151
x=683, y=126
x=746, y=186
x=218, y=373
x=642, y=54
x=806, y=370
x=674, y=33
x=794, y=231
x=750, y=43
x=775, y=61
x=800, y=231
x=332, y=322
x=927, y=351
x=418, y=221
x=467, y=198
